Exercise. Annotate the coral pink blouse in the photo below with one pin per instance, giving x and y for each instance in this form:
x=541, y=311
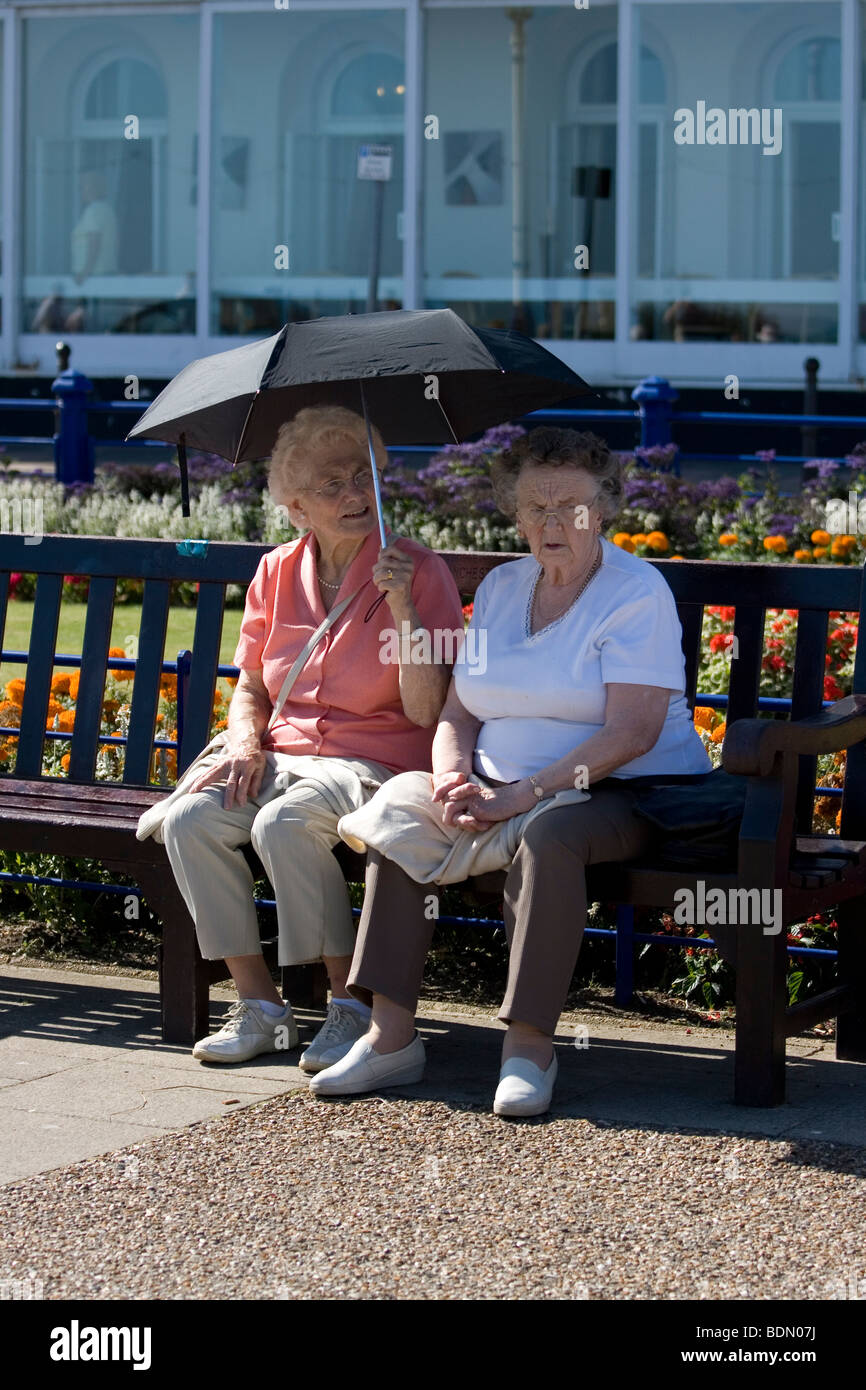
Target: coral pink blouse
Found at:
x=346, y=701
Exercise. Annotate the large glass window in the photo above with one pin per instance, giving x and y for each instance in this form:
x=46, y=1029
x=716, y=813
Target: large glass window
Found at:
x=110, y=114
x=737, y=176
x=295, y=231
x=520, y=185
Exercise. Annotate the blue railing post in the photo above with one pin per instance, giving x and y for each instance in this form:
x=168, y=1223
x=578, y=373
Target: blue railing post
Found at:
x=654, y=396
x=73, y=447
x=624, y=986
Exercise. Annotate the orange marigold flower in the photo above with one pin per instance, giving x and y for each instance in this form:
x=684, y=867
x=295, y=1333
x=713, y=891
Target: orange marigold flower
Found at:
x=718, y=733
x=15, y=691
x=777, y=544
x=676, y=557
x=221, y=724
x=839, y=550
x=10, y=714
x=65, y=761
x=728, y=538
x=74, y=682
x=657, y=540
x=60, y=683
x=704, y=717
x=639, y=538
x=803, y=557
x=66, y=720
x=820, y=537
x=819, y=551
x=624, y=541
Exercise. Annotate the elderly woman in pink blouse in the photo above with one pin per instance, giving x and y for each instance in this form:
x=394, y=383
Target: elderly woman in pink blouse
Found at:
x=352, y=720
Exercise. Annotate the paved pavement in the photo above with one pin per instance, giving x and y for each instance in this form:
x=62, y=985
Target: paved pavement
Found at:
x=83, y=1072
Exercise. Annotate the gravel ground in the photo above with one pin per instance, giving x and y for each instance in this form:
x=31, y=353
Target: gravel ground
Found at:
x=386, y=1198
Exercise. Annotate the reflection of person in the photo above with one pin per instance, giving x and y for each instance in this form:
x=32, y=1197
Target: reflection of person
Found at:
x=94, y=237
x=349, y=722
x=584, y=672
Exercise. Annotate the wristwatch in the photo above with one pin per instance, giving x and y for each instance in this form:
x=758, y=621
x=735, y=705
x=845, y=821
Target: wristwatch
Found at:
x=538, y=791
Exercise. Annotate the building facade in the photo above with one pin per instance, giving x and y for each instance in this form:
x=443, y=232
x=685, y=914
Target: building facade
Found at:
x=672, y=188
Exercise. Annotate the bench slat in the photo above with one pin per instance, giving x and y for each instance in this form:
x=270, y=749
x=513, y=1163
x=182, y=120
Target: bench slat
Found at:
x=94, y=661
x=4, y=599
x=145, y=694
x=806, y=699
x=691, y=617
x=37, y=690
x=746, y=668
x=198, y=710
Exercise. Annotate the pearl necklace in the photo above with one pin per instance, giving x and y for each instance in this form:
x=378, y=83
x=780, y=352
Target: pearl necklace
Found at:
x=326, y=585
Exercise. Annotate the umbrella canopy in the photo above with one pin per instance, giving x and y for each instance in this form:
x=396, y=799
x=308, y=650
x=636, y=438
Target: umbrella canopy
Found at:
x=424, y=376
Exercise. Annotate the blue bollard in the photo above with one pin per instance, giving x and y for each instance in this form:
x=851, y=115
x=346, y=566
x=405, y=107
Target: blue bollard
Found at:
x=74, y=457
x=655, y=397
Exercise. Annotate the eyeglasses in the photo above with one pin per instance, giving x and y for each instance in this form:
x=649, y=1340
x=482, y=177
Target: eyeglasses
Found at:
x=574, y=512
x=362, y=480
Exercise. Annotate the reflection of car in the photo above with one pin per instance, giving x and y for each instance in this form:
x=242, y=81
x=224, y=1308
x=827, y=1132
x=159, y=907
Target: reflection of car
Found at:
x=166, y=316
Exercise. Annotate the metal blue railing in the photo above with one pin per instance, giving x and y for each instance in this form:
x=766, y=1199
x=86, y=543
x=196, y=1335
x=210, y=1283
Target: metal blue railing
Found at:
x=654, y=397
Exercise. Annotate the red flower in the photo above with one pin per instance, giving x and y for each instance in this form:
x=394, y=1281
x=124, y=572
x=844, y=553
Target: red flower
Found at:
x=778, y=663
x=720, y=641
x=832, y=691
x=727, y=614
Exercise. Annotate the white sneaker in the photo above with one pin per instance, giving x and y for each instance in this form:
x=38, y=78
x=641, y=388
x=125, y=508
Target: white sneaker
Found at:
x=364, y=1069
x=247, y=1031
x=342, y=1027
x=524, y=1089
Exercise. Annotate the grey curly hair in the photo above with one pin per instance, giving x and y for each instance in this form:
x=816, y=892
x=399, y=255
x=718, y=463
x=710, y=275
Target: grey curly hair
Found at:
x=549, y=447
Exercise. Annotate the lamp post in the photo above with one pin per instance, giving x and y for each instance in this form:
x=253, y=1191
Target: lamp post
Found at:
x=518, y=17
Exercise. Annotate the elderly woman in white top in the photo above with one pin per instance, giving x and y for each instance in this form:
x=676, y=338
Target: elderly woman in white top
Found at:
x=583, y=686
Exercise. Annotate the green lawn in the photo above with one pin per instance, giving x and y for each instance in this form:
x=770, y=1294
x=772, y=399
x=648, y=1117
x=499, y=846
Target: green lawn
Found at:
x=127, y=618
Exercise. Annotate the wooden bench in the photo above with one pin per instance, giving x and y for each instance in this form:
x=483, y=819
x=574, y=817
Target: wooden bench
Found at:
x=83, y=818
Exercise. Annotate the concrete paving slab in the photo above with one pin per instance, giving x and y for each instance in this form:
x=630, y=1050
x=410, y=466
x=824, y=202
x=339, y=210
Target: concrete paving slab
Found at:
x=44, y=1140
x=108, y=1090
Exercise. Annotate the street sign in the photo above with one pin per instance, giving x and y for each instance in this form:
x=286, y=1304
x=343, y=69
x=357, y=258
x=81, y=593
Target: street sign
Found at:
x=374, y=162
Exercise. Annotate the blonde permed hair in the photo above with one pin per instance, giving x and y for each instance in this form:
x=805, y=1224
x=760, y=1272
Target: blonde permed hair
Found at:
x=289, y=467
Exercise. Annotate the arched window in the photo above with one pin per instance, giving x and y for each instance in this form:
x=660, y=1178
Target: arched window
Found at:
x=371, y=85
x=124, y=179
x=585, y=160
x=812, y=71
x=124, y=85
x=805, y=82
x=359, y=99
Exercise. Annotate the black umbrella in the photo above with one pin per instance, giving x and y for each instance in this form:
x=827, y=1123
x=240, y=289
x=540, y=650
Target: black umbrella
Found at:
x=423, y=375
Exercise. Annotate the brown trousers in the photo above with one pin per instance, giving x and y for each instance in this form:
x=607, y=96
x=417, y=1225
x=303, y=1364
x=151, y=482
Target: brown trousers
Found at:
x=545, y=910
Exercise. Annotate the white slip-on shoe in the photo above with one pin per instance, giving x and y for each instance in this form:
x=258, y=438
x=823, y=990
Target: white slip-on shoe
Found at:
x=363, y=1069
x=524, y=1089
x=342, y=1027
x=247, y=1031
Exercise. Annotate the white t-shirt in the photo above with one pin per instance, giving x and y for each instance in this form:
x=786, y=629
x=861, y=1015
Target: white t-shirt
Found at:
x=99, y=217
x=539, y=696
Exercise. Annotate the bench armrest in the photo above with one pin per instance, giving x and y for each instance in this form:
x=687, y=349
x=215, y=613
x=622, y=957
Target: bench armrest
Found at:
x=752, y=745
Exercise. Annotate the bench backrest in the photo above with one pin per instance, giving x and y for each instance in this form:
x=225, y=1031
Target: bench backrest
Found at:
x=815, y=591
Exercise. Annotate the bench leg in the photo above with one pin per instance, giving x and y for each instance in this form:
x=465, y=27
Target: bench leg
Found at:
x=851, y=1025
x=305, y=986
x=184, y=978
x=759, y=1064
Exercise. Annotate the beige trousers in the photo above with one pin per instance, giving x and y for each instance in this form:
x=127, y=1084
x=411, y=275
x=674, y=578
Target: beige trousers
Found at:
x=293, y=829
